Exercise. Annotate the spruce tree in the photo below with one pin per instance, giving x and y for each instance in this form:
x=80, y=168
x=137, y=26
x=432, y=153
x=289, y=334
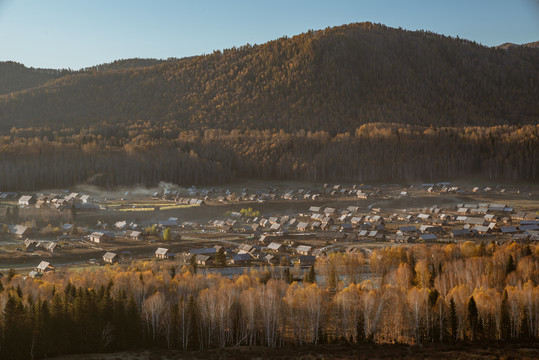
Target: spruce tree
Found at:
x=505, y=317
x=310, y=277
x=510, y=267
x=473, y=318
x=220, y=257
x=332, y=281
x=453, y=318
x=192, y=313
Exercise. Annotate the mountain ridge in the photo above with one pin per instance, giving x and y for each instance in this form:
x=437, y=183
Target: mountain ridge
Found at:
x=334, y=80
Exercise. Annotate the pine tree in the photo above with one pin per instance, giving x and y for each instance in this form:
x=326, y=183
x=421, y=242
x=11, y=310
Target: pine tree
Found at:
x=510, y=267
x=332, y=281
x=310, y=277
x=287, y=276
x=505, y=318
x=193, y=264
x=453, y=318
x=192, y=311
x=220, y=257
x=10, y=274
x=473, y=318
x=8, y=215
x=15, y=214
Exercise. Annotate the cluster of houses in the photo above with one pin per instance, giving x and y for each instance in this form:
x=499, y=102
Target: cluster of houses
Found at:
x=201, y=196
x=42, y=268
x=79, y=201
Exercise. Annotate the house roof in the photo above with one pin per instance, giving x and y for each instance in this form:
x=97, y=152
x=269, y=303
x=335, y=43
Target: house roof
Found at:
x=274, y=246
x=109, y=256
x=241, y=257
x=161, y=251
x=43, y=265
x=460, y=232
x=408, y=229
x=201, y=257
x=304, y=248
x=428, y=236
x=18, y=229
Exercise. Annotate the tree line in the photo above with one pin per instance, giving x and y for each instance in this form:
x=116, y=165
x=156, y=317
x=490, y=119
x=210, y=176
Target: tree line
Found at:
x=439, y=294
x=142, y=154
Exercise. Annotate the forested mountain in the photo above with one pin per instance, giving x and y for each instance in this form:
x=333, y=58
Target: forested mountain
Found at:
x=126, y=64
x=360, y=102
x=15, y=76
x=333, y=80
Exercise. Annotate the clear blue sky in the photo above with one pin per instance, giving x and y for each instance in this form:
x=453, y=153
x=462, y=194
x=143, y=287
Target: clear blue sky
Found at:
x=81, y=33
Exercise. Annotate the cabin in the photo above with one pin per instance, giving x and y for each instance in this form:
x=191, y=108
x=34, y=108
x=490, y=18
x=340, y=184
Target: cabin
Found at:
x=44, y=267
x=35, y=275
x=30, y=245
x=431, y=229
x=480, y=229
x=302, y=226
x=99, y=237
x=428, y=237
x=203, y=260
x=407, y=230
x=27, y=200
x=508, y=230
x=276, y=247
x=306, y=260
x=53, y=247
x=304, y=249
x=477, y=221
x=204, y=251
x=264, y=239
x=319, y=253
x=133, y=234
x=162, y=253
x=241, y=259
x=424, y=217
x=460, y=233
x=110, y=258
x=246, y=249
x=329, y=211
x=20, y=231
x=271, y=259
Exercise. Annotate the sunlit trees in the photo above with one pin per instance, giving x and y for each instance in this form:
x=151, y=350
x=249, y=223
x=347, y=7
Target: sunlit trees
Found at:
x=141, y=305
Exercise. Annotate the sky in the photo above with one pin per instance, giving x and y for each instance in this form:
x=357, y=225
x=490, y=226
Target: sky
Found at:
x=80, y=33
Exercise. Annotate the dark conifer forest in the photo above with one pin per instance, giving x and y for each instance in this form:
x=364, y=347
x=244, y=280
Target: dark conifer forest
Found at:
x=361, y=102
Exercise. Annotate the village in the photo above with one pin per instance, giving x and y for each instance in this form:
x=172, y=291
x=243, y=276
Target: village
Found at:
x=242, y=228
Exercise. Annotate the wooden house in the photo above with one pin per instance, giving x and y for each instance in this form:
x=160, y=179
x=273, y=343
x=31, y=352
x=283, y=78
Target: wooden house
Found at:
x=110, y=258
x=204, y=260
x=44, y=267
x=99, y=237
x=162, y=253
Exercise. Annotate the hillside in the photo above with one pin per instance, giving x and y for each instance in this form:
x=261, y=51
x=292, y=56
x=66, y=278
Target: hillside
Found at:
x=360, y=102
x=333, y=80
x=15, y=76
